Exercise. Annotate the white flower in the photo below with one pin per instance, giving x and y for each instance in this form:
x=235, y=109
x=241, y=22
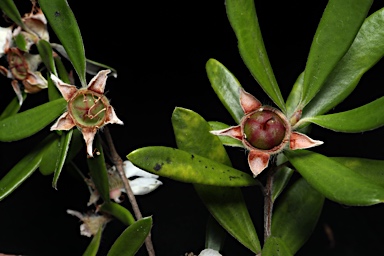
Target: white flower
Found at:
x=209, y=252
x=91, y=222
x=141, y=182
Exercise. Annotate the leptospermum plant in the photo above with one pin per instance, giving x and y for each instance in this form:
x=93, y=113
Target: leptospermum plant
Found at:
x=276, y=136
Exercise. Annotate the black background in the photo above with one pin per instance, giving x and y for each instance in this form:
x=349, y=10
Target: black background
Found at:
x=159, y=50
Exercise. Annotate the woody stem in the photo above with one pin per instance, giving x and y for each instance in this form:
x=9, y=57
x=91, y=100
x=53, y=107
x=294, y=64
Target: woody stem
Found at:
x=118, y=162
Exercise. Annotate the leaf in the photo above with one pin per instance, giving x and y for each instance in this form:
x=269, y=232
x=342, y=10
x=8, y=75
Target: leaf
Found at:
x=364, y=118
x=226, y=140
x=93, y=67
x=121, y=213
x=280, y=180
x=296, y=214
x=48, y=162
x=66, y=137
x=20, y=42
x=98, y=171
x=293, y=99
x=31, y=121
x=53, y=92
x=45, y=52
x=132, y=238
x=371, y=169
x=214, y=235
x=183, y=166
x=10, y=9
x=224, y=203
x=226, y=87
x=61, y=70
x=366, y=50
x=274, y=246
x=63, y=22
x=94, y=245
x=334, y=180
x=335, y=33
x=24, y=168
x=243, y=19
x=12, y=108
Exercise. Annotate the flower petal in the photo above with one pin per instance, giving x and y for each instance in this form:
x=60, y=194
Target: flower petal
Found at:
x=143, y=186
x=131, y=170
x=233, y=131
x=65, y=122
x=112, y=117
x=248, y=102
x=97, y=84
x=67, y=90
x=302, y=141
x=89, y=136
x=16, y=88
x=5, y=39
x=257, y=161
x=209, y=252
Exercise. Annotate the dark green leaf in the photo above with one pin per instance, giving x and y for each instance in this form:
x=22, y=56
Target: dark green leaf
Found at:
x=12, y=108
x=226, y=87
x=186, y=167
x=66, y=137
x=94, y=245
x=121, y=213
x=31, y=121
x=280, y=180
x=98, y=170
x=53, y=92
x=371, y=169
x=226, y=140
x=46, y=54
x=366, y=50
x=94, y=67
x=48, y=162
x=296, y=214
x=225, y=204
x=364, y=118
x=274, y=246
x=76, y=145
x=24, y=168
x=63, y=22
x=10, y=9
x=294, y=96
x=214, y=235
x=334, y=180
x=243, y=19
x=61, y=70
x=132, y=238
x=335, y=33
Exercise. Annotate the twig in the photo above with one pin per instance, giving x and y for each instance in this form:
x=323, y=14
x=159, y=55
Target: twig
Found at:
x=118, y=162
x=268, y=204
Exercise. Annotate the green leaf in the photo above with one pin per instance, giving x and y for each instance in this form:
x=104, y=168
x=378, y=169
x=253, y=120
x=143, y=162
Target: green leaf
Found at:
x=12, y=108
x=243, y=19
x=20, y=42
x=335, y=33
x=274, y=246
x=61, y=70
x=98, y=170
x=31, y=121
x=132, y=238
x=48, y=162
x=76, y=145
x=226, y=140
x=364, y=118
x=280, y=180
x=94, y=245
x=63, y=146
x=10, y=9
x=371, y=169
x=63, y=22
x=334, y=180
x=121, y=213
x=224, y=203
x=93, y=67
x=296, y=214
x=366, y=50
x=53, y=92
x=187, y=167
x=24, y=168
x=214, y=235
x=294, y=96
x=226, y=87
x=46, y=54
